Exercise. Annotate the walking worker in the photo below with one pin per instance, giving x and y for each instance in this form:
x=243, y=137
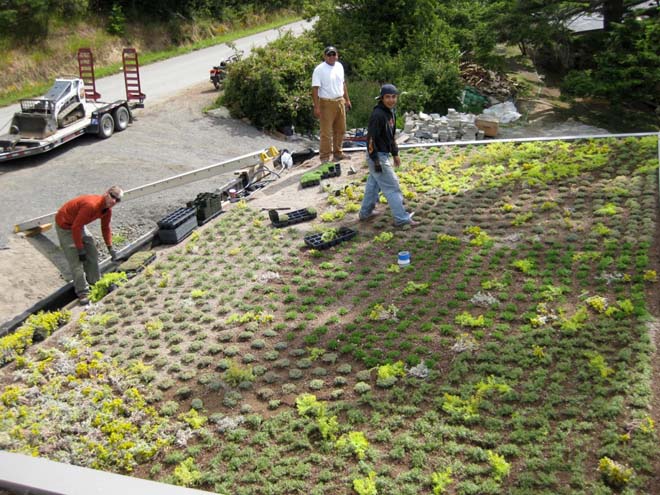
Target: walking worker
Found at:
x=380, y=145
x=76, y=241
x=330, y=96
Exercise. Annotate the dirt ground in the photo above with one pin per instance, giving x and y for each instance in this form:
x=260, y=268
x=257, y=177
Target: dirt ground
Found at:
x=27, y=277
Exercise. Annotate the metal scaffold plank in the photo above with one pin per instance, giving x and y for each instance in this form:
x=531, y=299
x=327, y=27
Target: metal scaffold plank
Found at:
x=228, y=166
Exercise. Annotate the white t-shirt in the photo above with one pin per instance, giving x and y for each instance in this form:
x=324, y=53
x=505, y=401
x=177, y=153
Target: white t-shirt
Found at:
x=329, y=79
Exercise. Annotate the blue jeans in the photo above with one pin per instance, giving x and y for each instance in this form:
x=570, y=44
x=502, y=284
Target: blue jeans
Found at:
x=387, y=182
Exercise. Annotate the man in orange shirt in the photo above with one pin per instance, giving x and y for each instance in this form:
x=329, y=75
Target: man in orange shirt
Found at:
x=76, y=241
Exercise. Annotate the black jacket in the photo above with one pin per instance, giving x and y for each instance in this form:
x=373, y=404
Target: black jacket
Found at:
x=380, y=133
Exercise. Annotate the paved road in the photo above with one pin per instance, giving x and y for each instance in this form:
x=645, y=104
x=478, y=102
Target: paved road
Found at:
x=170, y=137
x=162, y=79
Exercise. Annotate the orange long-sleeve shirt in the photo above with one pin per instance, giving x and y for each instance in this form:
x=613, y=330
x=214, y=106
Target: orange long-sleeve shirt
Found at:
x=78, y=212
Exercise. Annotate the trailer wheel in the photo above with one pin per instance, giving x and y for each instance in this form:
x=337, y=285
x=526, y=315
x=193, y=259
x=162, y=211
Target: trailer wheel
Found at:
x=122, y=118
x=106, y=126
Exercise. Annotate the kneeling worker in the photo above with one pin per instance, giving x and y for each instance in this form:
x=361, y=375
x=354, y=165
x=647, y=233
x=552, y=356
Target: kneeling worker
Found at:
x=76, y=241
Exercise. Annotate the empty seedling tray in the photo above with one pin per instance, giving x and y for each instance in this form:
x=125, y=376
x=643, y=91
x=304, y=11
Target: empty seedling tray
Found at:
x=177, y=225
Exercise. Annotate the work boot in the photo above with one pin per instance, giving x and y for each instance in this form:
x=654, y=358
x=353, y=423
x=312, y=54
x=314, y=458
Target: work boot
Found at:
x=371, y=216
x=338, y=158
x=409, y=224
x=83, y=299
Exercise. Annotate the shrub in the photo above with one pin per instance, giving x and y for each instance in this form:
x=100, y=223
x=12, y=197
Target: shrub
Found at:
x=271, y=87
x=625, y=69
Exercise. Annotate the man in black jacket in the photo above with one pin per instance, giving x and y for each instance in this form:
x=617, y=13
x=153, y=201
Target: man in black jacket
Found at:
x=380, y=145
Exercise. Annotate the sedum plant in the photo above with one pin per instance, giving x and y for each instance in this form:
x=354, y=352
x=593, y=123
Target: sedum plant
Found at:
x=101, y=288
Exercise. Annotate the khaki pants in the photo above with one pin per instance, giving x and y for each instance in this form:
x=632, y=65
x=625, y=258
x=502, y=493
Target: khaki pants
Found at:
x=84, y=273
x=333, y=128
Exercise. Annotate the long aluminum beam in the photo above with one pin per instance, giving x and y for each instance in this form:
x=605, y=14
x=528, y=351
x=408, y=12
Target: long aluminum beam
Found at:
x=227, y=166
x=435, y=144
x=26, y=474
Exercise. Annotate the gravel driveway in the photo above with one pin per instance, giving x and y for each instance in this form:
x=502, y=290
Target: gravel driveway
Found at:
x=169, y=138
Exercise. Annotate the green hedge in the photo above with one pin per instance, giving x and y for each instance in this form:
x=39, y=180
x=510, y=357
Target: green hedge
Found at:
x=273, y=86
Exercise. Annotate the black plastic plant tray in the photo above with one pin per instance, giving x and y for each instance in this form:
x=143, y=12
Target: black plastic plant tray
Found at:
x=315, y=241
x=204, y=216
x=295, y=217
x=176, y=218
x=326, y=171
x=310, y=183
x=175, y=236
x=334, y=171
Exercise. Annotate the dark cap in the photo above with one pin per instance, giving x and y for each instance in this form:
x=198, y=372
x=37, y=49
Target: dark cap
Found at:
x=329, y=49
x=387, y=89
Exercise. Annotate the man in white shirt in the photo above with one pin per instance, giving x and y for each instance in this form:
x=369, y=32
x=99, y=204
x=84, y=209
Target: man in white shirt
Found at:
x=330, y=96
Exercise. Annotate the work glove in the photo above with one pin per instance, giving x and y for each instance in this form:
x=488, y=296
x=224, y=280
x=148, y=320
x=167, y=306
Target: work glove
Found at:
x=113, y=253
x=81, y=255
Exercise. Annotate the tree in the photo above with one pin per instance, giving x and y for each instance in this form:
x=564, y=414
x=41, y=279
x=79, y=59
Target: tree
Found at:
x=627, y=69
x=416, y=44
x=619, y=63
x=272, y=87
x=26, y=21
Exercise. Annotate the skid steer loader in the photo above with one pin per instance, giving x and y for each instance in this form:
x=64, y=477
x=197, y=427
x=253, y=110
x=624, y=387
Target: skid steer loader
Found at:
x=60, y=107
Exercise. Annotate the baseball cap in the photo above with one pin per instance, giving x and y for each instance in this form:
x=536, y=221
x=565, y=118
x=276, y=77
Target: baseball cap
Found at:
x=387, y=89
x=329, y=49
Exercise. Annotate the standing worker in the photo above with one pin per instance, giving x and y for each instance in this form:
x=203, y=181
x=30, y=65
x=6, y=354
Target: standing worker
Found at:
x=76, y=241
x=331, y=100
x=380, y=145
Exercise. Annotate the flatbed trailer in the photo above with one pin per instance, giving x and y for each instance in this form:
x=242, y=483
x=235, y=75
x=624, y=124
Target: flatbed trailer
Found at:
x=97, y=117
x=103, y=120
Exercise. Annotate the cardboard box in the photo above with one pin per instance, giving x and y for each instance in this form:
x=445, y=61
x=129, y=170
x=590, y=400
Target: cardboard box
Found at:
x=487, y=124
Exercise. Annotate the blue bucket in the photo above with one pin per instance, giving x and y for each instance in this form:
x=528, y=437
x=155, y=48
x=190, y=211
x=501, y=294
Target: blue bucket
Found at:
x=404, y=258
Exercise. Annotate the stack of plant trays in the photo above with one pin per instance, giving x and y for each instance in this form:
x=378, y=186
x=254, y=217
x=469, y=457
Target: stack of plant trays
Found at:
x=208, y=206
x=177, y=225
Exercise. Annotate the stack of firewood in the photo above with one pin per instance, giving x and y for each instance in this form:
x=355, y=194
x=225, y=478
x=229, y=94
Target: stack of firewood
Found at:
x=488, y=82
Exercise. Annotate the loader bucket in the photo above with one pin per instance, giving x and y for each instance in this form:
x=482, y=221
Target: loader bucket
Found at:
x=33, y=125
